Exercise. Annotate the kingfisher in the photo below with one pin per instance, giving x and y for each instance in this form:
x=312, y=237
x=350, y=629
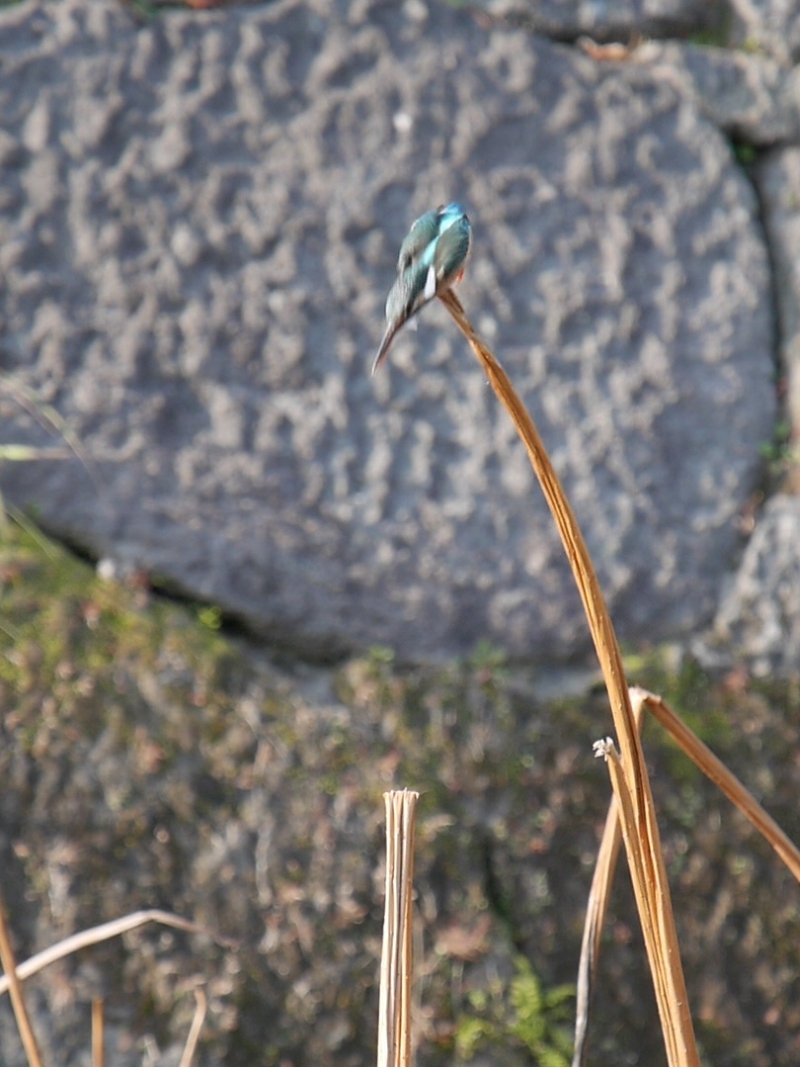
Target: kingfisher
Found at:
x=432, y=258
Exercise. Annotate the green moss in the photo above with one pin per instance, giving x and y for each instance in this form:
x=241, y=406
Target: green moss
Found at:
x=78, y=646
x=744, y=152
x=714, y=37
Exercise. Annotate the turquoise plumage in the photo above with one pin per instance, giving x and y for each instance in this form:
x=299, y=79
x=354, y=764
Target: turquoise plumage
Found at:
x=432, y=258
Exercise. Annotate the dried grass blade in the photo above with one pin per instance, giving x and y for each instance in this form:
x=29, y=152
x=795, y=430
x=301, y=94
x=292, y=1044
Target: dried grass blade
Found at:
x=596, y=908
x=96, y=934
x=719, y=774
x=13, y=981
x=658, y=917
x=575, y=547
x=635, y=848
x=199, y=1017
x=49, y=419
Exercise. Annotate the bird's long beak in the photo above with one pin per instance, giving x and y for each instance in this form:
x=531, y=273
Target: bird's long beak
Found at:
x=388, y=337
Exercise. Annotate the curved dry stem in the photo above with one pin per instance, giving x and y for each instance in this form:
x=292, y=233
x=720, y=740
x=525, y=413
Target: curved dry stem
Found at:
x=199, y=1017
x=96, y=934
x=658, y=922
x=574, y=545
x=14, y=984
x=719, y=774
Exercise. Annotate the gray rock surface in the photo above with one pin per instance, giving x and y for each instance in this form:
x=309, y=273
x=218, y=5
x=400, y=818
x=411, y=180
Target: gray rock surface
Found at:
x=771, y=25
x=754, y=98
x=614, y=20
x=778, y=180
x=199, y=219
x=758, y=622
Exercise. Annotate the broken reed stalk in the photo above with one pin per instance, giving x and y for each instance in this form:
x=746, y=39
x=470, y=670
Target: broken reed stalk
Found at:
x=394, y=1015
x=97, y=1032
x=15, y=989
x=199, y=1017
x=658, y=922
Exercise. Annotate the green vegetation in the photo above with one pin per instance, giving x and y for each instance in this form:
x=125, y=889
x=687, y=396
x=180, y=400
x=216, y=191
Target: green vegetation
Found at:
x=715, y=37
x=135, y=730
x=83, y=646
x=744, y=152
x=779, y=453
x=520, y=1011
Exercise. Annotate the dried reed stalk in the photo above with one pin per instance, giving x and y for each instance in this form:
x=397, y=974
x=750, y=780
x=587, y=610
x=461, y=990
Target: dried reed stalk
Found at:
x=200, y=1007
x=394, y=1018
x=658, y=922
x=14, y=985
x=96, y=934
x=596, y=908
x=97, y=1032
x=11, y=980
x=716, y=770
x=728, y=784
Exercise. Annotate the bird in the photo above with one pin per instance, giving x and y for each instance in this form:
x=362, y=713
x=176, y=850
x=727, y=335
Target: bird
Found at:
x=432, y=258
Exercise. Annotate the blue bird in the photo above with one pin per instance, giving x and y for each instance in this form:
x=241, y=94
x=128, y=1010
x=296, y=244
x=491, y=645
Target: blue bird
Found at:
x=432, y=258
